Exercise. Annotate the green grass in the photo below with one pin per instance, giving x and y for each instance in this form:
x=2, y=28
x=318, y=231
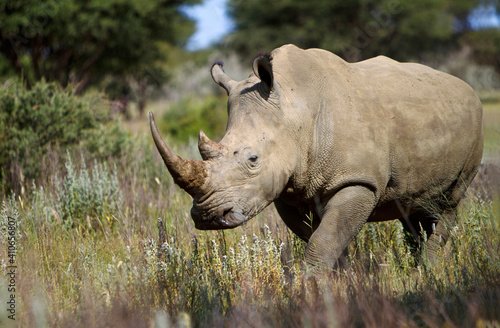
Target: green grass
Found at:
x=125, y=272
x=491, y=124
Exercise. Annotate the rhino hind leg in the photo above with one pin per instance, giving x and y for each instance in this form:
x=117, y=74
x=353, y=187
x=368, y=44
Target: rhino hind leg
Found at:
x=432, y=227
x=437, y=240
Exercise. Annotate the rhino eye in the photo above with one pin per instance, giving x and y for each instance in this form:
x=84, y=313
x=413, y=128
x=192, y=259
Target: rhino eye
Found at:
x=253, y=159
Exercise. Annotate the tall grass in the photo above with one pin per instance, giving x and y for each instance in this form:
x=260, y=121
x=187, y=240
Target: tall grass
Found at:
x=109, y=242
x=139, y=273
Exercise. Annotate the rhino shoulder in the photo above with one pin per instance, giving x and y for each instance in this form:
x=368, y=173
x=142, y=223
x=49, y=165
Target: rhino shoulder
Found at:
x=317, y=56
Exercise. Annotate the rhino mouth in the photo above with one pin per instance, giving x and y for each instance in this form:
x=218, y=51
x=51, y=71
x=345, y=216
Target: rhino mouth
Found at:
x=227, y=218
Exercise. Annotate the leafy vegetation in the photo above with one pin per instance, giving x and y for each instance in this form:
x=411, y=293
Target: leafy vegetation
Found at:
x=186, y=118
x=83, y=42
x=485, y=46
x=141, y=273
x=121, y=46
x=355, y=30
x=49, y=116
x=103, y=236
x=92, y=252
x=88, y=201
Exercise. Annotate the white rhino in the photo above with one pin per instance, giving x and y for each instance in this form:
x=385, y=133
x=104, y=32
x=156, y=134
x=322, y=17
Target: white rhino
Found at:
x=335, y=145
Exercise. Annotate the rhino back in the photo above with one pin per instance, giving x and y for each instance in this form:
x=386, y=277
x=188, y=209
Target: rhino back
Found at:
x=403, y=129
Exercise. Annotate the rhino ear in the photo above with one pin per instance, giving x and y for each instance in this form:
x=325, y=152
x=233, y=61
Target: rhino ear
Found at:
x=263, y=68
x=221, y=78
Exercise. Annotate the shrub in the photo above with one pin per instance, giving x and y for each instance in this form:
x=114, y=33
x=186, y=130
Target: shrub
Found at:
x=89, y=199
x=185, y=118
x=106, y=140
x=48, y=115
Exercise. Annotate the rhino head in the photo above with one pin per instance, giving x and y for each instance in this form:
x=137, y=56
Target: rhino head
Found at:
x=249, y=168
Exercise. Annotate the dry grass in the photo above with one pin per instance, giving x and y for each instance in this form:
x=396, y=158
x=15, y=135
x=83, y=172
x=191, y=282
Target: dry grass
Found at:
x=128, y=274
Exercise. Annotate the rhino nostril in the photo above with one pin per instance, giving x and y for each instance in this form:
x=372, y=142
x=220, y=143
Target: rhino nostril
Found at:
x=226, y=212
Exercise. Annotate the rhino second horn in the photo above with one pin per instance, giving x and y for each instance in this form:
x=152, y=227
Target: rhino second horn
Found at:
x=208, y=148
x=221, y=78
x=188, y=174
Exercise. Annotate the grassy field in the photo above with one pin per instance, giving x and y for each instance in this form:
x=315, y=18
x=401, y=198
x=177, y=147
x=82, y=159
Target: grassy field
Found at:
x=491, y=125
x=90, y=252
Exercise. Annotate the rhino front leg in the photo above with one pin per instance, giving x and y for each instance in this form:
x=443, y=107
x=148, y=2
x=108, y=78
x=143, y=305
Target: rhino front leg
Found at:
x=342, y=218
x=294, y=219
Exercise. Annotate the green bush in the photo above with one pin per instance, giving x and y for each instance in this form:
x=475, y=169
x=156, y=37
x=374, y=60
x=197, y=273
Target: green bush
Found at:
x=106, y=140
x=485, y=46
x=48, y=115
x=187, y=117
x=89, y=199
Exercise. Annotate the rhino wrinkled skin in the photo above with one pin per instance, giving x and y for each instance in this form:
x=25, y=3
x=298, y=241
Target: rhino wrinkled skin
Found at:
x=335, y=145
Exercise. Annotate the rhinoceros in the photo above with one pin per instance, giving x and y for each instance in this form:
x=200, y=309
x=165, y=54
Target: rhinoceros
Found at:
x=335, y=145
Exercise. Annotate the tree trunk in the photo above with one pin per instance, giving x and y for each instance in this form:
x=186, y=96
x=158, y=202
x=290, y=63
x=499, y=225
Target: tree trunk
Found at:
x=142, y=96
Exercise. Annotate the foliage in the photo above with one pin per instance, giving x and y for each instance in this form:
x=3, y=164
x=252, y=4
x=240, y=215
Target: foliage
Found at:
x=184, y=119
x=215, y=273
x=137, y=275
x=38, y=117
x=252, y=273
x=46, y=116
x=485, y=46
x=107, y=139
x=89, y=199
x=82, y=42
x=355, y=30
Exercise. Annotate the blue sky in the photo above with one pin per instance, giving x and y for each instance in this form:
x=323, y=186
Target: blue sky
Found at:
x=484, y=16
x=213, y=22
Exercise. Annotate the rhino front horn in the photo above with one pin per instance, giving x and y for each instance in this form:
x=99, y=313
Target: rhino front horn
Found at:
x=188, y=174
x=208, y=148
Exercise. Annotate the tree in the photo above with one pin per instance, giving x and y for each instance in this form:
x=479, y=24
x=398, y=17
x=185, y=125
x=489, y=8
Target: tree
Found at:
x=485, y=46
x=485, y=43
x=357, y=29
x=83, y=42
